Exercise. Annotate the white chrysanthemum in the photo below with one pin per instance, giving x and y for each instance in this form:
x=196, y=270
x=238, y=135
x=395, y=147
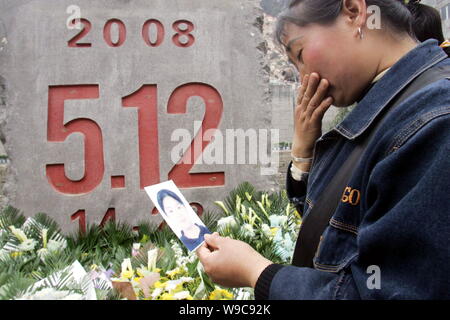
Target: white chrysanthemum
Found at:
x=172, y=284
x=277, y=221
x=27, y=245
x=229, y=221
x=248, y=230
x=186, y=279
x=73, y=296
x=192, y=257
x=176, y=248
x=156, y=293
x=266, y=230
x=54, y=245
x=244, y=294
x=181, y=295
x=43, y=253
x=51, y=294
x=284, y=246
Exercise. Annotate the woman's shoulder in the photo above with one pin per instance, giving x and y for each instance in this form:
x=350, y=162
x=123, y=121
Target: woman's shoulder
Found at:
x=428, y=102
x=426, y=111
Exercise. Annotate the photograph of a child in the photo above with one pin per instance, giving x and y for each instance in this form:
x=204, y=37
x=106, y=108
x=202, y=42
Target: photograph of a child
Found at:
x=178, y=214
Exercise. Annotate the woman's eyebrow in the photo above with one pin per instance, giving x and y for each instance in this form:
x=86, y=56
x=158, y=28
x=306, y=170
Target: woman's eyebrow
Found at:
x=288, y=47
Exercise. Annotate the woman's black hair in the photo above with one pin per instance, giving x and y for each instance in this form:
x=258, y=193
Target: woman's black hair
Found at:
x=398, y=16
x=395, y=13
x=167, y=193
x=427, y=23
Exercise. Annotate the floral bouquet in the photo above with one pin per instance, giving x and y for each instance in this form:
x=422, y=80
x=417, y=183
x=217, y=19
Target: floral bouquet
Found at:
x=114, y=262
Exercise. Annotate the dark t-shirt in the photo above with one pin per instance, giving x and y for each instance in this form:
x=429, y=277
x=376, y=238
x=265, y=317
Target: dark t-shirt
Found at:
x=192, y=243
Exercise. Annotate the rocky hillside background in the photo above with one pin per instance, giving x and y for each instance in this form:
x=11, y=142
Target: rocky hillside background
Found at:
x=274, y=7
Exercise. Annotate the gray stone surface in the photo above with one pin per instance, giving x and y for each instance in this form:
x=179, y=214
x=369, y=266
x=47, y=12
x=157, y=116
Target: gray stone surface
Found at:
x=35, y=55
x=283, y=104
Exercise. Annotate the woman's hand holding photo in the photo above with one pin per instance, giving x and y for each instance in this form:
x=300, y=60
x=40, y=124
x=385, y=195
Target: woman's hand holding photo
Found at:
x=231, y=263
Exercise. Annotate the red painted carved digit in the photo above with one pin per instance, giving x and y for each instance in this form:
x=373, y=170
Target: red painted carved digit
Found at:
x=109, y=215
x=122, y=33
x=81, y=216
x=197, y=207
x=183, y=33
x=213, y=114
x=159, y=33
x=73, y=43
x=58, y=132
x=145, y=99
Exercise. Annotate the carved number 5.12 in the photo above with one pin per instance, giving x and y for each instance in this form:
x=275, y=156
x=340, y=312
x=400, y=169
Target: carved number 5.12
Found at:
x=145, y=101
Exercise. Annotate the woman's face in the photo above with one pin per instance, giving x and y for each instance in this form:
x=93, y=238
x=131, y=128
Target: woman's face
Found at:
x=330, y=51
x=177, y=212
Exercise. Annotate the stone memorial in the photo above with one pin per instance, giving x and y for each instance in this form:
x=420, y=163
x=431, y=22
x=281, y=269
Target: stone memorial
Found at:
x=102, y=98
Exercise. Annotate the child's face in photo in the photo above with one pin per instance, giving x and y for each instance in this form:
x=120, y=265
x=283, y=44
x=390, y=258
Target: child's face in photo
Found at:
x=176, y=211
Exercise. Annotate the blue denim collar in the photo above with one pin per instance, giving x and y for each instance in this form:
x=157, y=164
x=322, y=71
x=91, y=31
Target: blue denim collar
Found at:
x=421, y=58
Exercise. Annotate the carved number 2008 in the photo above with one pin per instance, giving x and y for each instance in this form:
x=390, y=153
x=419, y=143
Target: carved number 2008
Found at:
x=182, y=37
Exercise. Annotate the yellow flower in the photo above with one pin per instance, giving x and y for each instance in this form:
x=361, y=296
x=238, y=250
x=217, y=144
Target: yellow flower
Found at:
x=159, y=284
x=127, y=274
x=94, y=267
x=174, y=286
x=220, y=294
x=140, y=272
x=167, y=296
x=16, y=254
x=274, y=231
x=175, y=272
x=127, y=269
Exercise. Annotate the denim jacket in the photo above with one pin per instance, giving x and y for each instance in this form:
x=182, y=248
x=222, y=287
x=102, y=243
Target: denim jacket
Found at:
x=389, y=236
